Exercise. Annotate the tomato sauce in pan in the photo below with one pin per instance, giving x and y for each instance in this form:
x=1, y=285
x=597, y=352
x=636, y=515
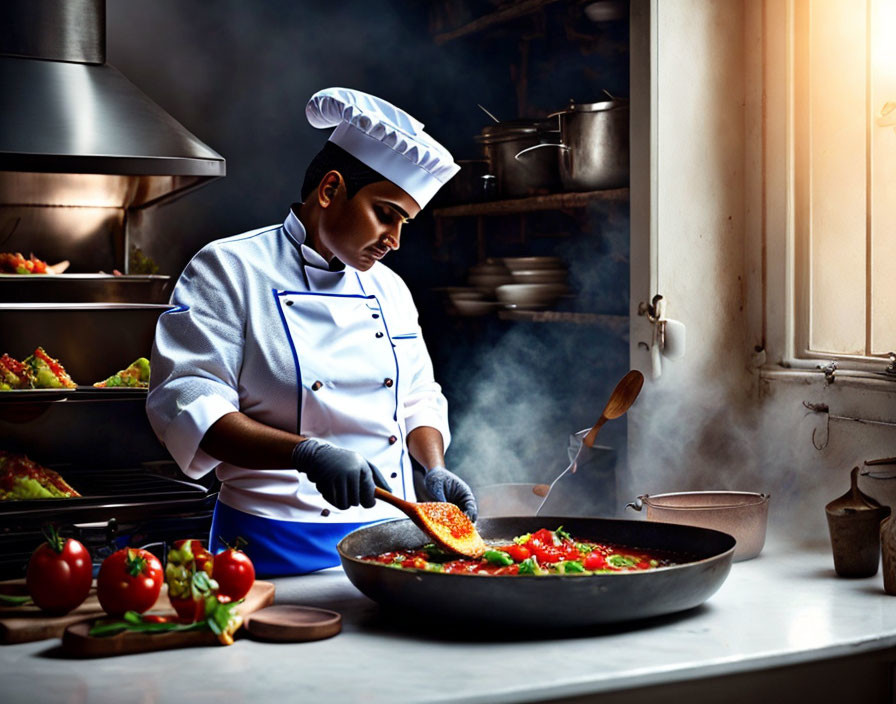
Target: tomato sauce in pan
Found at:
x=544, y=552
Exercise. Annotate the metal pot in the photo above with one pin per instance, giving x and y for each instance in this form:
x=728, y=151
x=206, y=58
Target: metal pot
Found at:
x=533, y=174
x=562, y=601
x=742, y=514
x=593, y=153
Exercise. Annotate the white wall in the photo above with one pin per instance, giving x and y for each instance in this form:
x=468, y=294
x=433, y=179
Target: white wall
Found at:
x=710, y=232
x=685, y=430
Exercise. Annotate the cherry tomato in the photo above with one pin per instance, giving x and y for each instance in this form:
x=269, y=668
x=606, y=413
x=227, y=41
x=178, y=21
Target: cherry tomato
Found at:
x=130, y=579
x=59, y=574
x=234, y=573
x=594, y=561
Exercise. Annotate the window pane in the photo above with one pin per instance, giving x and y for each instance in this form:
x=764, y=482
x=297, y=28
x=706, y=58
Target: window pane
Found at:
x=837, y=124
x=883, y=178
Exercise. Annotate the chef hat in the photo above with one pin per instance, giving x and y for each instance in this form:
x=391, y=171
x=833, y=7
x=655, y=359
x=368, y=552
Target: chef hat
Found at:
x=384, y=137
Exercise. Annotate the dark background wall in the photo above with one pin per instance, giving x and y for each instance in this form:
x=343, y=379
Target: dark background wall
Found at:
x=238, y=75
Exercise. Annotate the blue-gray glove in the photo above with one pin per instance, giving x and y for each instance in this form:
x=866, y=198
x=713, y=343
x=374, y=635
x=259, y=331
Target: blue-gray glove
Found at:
x=343, y=477
x=442, y=485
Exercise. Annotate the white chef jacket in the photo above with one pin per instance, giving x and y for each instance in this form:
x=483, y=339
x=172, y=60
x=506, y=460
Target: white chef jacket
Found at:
x=262, y=326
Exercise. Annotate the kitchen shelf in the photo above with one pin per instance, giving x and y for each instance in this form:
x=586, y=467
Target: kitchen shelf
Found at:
x=509, y=12
x=617, y=323
x=80, y=393
x=552, y=201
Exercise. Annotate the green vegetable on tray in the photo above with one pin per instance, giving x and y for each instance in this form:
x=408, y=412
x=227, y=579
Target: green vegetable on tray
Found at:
x=135, y=376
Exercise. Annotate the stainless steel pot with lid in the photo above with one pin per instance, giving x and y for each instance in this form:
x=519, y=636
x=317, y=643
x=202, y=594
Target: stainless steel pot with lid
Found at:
x=593, y=153
x=533, y=174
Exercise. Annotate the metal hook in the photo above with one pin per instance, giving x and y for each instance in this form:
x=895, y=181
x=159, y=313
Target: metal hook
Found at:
x=827, y=434
x=820, y=408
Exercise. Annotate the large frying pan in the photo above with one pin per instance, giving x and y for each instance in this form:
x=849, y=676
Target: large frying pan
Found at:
x=554, y=601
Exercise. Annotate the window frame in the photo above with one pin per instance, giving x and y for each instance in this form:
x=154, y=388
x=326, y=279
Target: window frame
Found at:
x=782, y=238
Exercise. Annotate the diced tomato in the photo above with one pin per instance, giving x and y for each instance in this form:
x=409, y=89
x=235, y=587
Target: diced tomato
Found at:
x=543, y=536
x=546, y=554
x=517, y=552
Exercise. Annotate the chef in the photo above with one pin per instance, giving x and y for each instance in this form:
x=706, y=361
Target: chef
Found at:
x=293, y=363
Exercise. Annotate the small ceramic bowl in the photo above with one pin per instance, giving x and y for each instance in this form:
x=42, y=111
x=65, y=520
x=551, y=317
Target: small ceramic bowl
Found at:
x=470, y=307
x=530, y=295
x=487, y=283
x=516, y=263
x=539, y=276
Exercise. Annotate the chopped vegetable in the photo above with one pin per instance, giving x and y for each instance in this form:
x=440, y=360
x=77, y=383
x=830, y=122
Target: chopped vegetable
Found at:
x=544, y=552
x=134, y=376
x=497, y=557
x=22, y=478
x=621, y=561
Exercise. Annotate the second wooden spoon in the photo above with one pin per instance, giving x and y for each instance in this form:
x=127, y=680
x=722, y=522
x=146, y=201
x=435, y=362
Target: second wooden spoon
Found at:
x=620, y=401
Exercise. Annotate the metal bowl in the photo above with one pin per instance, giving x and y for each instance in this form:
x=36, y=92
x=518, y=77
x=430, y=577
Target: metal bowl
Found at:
x=546, y=602
x=741, y=514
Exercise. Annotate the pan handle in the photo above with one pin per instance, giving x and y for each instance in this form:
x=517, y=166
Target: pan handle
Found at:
x=539, y=146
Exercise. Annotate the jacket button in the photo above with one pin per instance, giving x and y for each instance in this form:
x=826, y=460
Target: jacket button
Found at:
x=379, y=334
x=392, y=439
x=325, y=512
x=289, y=303
x=316, y=385
x=388, y=383
x=375, y=316
x=394, y=475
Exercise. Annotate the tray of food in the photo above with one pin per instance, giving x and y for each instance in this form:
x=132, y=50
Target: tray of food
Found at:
x=32, y=280
x=40, y=377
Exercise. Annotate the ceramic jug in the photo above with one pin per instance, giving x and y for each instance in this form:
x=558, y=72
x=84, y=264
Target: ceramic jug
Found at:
x=854, y=521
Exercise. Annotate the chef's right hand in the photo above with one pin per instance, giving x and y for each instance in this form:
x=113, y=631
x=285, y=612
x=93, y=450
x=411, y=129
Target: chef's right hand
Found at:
x=343, y=477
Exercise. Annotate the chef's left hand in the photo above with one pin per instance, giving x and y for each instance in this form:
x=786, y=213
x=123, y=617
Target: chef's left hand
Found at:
x=443, y=485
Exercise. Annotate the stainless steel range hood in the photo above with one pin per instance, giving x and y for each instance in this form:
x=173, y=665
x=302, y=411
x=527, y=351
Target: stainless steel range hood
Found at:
x=73, y=130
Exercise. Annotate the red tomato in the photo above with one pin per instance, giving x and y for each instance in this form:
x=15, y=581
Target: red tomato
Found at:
x=130, y=579
x=594, y=561
x=188, y=610
x=234, y=573
x=517, y=552
x=59, y=574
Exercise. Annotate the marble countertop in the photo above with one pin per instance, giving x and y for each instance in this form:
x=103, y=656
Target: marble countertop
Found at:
x=784, y=607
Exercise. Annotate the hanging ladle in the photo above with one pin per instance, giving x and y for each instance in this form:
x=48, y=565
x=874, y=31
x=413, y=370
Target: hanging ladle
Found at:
x=486, y=111
x=620, y=401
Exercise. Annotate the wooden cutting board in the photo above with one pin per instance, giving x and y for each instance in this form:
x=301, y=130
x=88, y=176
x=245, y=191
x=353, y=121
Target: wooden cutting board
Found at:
x=22, y=624
x=77, y=642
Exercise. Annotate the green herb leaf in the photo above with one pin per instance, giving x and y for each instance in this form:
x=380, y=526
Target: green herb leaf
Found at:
x=530, y=566
x=14, y=600
x=134, y=623
x=621, y=561
x=572, y=566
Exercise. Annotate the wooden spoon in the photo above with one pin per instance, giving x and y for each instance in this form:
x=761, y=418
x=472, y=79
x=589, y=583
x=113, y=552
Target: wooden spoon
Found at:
x=620, y=401
x=445, y=523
